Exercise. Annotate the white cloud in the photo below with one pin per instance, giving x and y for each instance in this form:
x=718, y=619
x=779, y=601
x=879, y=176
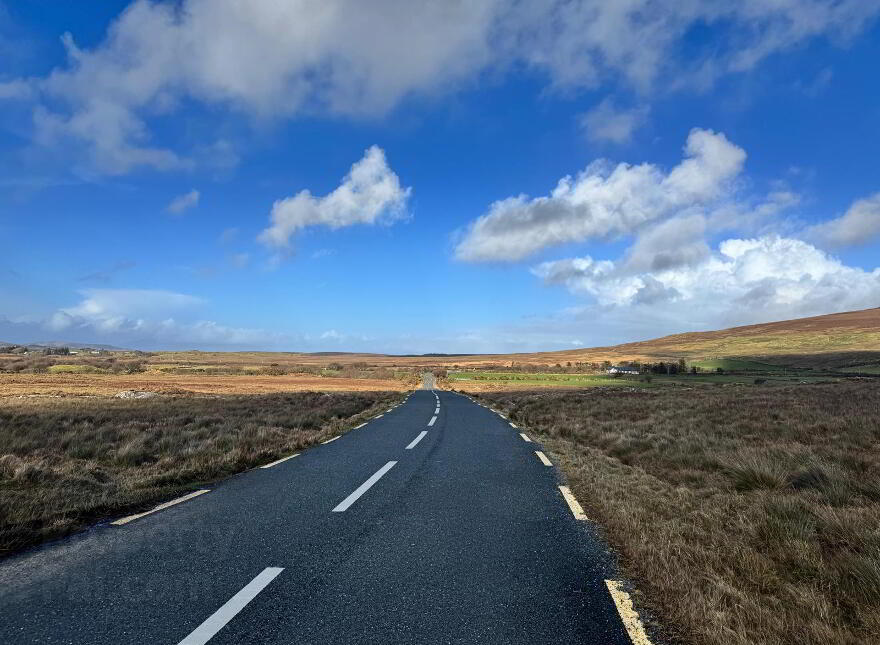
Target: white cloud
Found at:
x=184, y=202
x=605, y=122
x=673, y=243
x=604, y=202
x=240, y=260
x=368, y=194
x=859, y=225
x=745, y=281
x=150, y=318
x=229, y=235
x=112, y=308
x=281, y=59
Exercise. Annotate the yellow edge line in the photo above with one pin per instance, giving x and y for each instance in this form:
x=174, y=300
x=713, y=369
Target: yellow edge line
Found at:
x=131, y=518
x=573, y=504
x=628, y=614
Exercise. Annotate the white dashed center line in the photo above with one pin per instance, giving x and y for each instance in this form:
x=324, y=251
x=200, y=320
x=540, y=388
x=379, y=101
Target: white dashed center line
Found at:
x=420, y=436
x=217, y=621
x=363, y=488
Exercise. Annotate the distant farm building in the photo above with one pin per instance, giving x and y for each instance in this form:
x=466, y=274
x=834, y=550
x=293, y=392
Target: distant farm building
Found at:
x=622, y=369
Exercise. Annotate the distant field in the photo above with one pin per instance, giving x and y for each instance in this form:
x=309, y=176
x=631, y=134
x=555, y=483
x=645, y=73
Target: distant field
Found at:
x=745, y=515
x=487, y=381
x=191, y=372
x=734, y=364
x=66, y=383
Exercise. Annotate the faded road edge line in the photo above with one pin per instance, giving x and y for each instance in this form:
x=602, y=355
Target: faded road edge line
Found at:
x=543, y=458
x=628, y=614
x=217, y=621
x=130, y=518
x=278, y=461
x=333, y=439
x=573, y=504
x=525, y=437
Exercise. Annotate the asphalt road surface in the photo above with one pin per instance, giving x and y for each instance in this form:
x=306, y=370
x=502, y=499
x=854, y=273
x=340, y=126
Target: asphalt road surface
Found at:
x=434, y=523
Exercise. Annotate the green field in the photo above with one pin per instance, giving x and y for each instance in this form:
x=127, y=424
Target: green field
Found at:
x=861, y=369
x=734, y=365
x=518, y=379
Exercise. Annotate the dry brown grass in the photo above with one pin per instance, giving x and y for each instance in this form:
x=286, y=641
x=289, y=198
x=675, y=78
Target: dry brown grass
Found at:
x=108, y=384
x=66, y=462
x=746, y=515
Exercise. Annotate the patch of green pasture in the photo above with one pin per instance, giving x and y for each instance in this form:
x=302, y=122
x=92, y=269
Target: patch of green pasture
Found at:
x=735, y=364
x=74, y=369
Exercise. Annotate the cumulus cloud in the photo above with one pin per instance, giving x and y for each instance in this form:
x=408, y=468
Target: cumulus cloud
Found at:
x=368, y=194
x=860, y=224
x=604, y=202
x=744, y=281
x=605, y=122
x=674, y=243
x=280, y=59
x=184, y=202
x=149, y=318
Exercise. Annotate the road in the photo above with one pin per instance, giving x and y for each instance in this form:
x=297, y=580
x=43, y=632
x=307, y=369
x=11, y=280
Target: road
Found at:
x=433, y=523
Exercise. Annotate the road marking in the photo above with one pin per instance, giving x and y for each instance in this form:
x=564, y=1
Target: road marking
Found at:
x=329, y=440
x=543, y=458
x=437, y=410
x=131, y=518
x=573, y=504
x=360, y=426
x=628, y=614
x=502, y=416
x=525, y=437
x=380, y=416
x=278, y=461
x=417, y=439
x=433, y=419
x=512, y=424
x=217, y=621
x=388, y=410
x=363, y=488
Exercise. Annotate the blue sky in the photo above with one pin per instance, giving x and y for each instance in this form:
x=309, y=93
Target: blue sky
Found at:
x=391, y=176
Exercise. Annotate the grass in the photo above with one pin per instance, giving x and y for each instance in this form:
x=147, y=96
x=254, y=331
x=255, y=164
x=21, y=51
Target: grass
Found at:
x=73, y=369
x=67, y=462
x=572, y=380
x=745, y=515
x=734, y=364
x=491, y=380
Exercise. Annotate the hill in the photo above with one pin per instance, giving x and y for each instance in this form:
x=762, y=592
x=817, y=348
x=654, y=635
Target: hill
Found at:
x=840, y=340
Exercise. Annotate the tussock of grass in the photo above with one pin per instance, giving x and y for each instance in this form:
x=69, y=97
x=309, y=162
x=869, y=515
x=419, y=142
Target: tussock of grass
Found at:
x=747, y=515
x=65, y=462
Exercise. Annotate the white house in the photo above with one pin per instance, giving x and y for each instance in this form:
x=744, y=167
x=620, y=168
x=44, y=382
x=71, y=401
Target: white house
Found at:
x=622, y=369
